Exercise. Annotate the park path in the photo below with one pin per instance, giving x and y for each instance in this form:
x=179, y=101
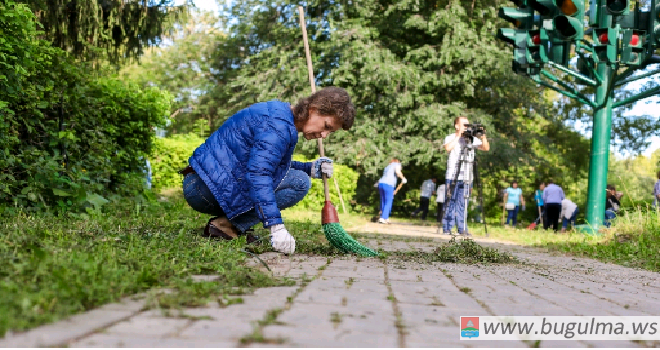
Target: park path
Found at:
x=350, y=302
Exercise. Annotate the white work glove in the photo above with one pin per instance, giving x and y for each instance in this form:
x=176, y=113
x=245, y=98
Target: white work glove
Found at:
x=281, y=240
x=404, y=181
x=322, y=165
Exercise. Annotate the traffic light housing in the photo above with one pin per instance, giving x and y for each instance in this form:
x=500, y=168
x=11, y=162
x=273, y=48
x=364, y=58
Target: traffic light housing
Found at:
x=618, y=7
x=605, y=44
x=521, y=17
x=633, y=47
x=536, y=50
x=569, y=24
x=546, y=8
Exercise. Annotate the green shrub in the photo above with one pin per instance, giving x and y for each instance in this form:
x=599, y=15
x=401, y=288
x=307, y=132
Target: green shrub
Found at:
x=68, y=139
x=170, y=155
x=347, y=179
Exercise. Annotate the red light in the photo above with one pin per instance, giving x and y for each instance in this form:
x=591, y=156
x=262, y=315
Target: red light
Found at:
x=536, y=39
x=603, y=38
x=634, y=40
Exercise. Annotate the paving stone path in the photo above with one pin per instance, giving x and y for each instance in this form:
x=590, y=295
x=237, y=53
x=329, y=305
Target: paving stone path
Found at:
x=349, y=302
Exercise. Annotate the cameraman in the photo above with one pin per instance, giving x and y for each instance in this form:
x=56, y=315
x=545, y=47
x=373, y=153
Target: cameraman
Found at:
x=455, y=203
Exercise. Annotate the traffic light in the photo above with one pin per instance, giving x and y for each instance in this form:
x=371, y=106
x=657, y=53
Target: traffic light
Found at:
x=517, y=38
x=618, y=7
x=523, y=19
x=546, y=8
x=605, y=44
x=536, y=50
x=569, y=24
x=632, y=47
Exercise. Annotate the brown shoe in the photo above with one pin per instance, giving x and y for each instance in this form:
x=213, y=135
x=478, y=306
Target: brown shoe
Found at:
x=220, y=227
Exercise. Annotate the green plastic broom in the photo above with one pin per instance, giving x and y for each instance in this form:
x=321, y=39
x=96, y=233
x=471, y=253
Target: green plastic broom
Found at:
x=334, y=233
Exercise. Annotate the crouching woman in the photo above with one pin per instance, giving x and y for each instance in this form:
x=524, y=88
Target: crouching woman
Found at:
x=243, y=173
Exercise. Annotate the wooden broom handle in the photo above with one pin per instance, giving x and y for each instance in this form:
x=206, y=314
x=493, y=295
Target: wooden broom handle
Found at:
x=310, y=72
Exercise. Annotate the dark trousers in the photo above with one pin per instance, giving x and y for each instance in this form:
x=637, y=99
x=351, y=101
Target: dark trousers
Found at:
x=439, y=211
x=423, y=207
x=552, y=210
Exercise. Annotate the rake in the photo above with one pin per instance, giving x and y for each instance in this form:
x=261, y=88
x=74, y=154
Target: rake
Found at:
x=333, y=231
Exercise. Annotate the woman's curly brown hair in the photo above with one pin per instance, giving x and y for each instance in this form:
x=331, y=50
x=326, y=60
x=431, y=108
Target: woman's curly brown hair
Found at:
x=331, y=101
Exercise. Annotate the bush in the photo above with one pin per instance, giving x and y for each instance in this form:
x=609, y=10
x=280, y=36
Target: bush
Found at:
x=67, y=138
x=347, y=179
x=170, y=155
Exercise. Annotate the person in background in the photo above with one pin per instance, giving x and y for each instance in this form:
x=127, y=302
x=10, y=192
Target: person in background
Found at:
x=513, y=198
x=656, y=191
x=612, y=204
x=455, y=212
x=552, y=197
x=386, y=186
x=569, y=211
x=538, y=197
x=440, y=197
x=427, y=190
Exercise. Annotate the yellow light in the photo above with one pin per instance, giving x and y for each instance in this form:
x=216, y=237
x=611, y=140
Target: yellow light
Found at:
x=568, y=8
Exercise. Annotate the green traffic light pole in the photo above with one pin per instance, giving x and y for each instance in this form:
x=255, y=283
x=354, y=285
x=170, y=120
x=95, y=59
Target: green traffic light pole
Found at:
x=605, y=74
x=600, y=149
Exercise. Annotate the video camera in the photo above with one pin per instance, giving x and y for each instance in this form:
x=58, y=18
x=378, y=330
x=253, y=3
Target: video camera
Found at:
x=473, y=130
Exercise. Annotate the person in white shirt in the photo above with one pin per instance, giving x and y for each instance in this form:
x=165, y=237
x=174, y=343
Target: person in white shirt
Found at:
x=439, y=201
x=386, y=186
x=455, y=204
x=427, y=190
x=569, y=211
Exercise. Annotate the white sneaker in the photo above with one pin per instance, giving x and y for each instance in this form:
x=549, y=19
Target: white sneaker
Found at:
x=382, y=221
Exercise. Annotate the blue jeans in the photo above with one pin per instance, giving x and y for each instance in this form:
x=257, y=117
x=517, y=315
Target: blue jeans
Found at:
x=292, y=190
x=386, y=199
x=512, y=215
x=564, y=221
x=455, y=211
x=609, y=215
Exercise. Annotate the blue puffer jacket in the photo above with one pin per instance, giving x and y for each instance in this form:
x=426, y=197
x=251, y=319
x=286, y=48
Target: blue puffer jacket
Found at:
x=244, y=161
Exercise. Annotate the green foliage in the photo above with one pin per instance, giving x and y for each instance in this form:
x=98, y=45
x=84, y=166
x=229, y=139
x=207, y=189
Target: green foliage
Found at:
x=185, y=69
x=169, y=155
x=111, y=30
x=65, y=136
x=346, y=179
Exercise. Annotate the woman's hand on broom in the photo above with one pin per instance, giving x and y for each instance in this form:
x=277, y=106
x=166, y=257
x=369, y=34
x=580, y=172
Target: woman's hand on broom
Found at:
x=323, y=165
x=281, y=240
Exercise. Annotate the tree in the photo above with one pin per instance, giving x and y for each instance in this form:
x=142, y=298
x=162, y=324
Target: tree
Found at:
x=411, y=68
x=117, y=30
x=184, y=68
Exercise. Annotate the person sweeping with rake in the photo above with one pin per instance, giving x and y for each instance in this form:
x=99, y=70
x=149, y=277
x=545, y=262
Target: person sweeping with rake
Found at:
x=243, y=173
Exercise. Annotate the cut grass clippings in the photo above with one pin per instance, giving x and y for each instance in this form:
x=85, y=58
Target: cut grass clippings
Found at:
x=465, y=251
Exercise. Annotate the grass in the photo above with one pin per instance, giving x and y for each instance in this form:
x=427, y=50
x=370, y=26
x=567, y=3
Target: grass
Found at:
x=634, y=241
x=464, y=251
x=53, y=267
